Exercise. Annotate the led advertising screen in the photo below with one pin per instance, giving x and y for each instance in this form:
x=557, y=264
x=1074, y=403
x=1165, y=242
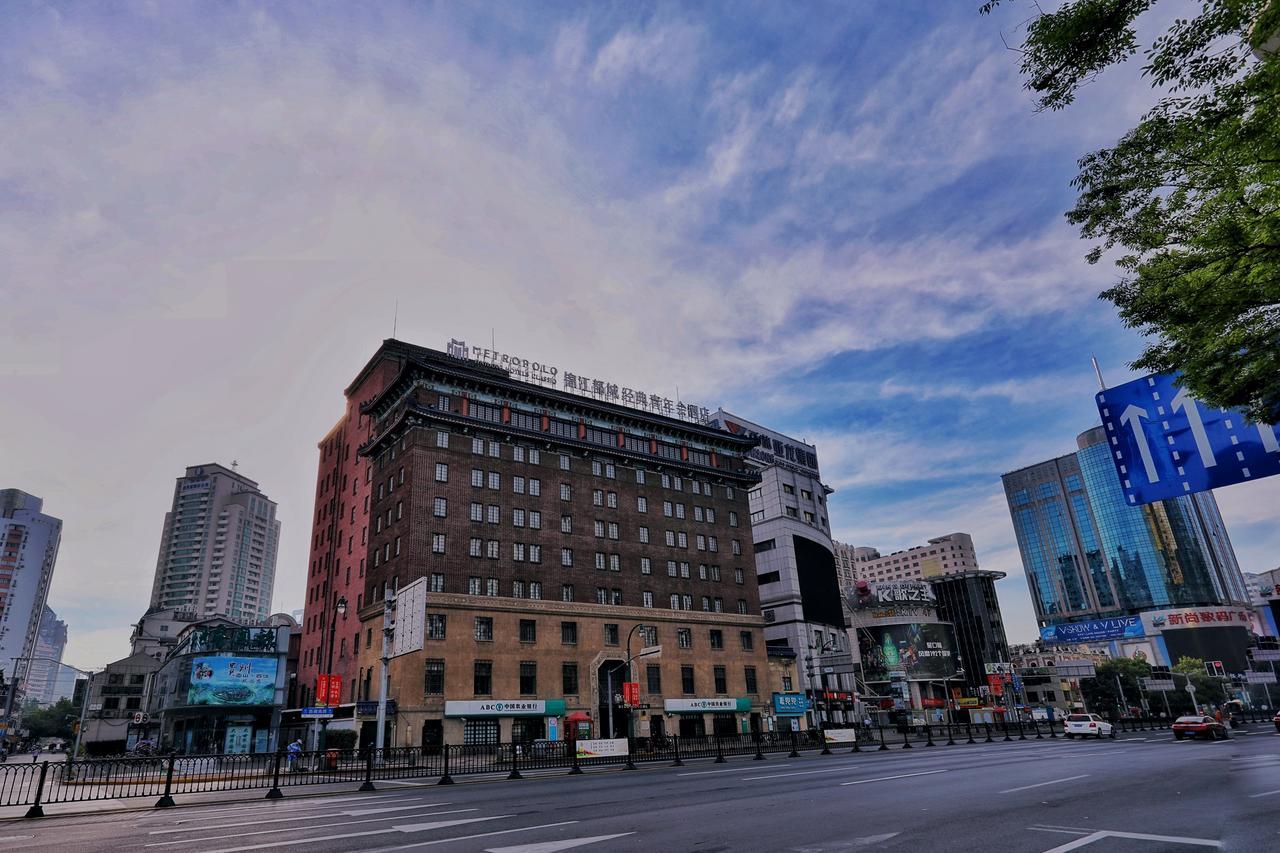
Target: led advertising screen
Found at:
x=921, y=651
x=232, y=680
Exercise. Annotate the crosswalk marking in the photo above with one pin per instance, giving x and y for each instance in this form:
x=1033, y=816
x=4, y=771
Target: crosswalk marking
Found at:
x=553, y=846
x=207, y=838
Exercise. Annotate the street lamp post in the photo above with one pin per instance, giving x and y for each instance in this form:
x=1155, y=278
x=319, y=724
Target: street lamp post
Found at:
x=340, y=608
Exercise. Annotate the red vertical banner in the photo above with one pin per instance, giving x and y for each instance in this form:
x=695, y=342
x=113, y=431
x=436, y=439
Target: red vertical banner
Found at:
x=328, y=690
x=631, y=693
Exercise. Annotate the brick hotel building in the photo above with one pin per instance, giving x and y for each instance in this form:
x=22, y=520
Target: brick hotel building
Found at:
x=545, y=526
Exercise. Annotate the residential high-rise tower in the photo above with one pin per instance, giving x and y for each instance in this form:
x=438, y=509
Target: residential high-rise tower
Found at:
x=218, y=548
x=29, y=542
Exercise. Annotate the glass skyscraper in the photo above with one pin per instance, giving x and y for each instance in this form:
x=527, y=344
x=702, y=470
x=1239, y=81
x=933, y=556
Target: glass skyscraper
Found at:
x=1088, y=554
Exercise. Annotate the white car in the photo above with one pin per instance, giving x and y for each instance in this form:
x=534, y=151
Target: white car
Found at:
x=1088, y=725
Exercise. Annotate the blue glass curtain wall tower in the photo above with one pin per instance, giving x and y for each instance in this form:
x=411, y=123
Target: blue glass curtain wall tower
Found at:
x=1089, y=554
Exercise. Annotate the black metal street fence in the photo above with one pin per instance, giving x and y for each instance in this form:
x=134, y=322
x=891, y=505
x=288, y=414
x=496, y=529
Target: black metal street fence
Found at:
x=38, y=784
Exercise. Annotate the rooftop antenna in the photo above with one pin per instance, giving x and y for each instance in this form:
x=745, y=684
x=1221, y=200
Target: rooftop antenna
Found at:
x=395, y=319
x=234, y=464
x=1098, y=372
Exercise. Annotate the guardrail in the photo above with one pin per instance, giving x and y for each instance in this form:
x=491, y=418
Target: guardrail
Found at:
x=164, y=777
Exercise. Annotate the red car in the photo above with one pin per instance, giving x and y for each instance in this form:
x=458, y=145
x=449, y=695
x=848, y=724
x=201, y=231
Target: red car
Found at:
x=1197, y=726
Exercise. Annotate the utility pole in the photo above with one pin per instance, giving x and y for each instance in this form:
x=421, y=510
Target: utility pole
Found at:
x=388, y=629
x=1124, y=703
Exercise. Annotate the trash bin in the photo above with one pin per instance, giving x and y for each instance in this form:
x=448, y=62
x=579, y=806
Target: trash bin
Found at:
x=331, y=759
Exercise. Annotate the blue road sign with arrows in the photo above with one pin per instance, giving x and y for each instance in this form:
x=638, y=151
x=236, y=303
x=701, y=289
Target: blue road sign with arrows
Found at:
x=1165, y=443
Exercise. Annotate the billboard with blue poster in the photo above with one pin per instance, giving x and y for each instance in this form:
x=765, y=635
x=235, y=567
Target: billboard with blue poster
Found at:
x=232, y=680
x=1093, y=630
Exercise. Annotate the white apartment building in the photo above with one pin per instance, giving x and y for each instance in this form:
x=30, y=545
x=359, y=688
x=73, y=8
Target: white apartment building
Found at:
x=218, y=548
x=29, y=542
x=943, y=555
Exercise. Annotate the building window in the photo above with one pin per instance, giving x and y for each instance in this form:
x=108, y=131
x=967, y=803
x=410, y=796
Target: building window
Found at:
x=440, y=507
x=750, y=674
x=786, y=684
x=684, y=638
x=529, y=631
x=476, y=547
x=433, y=684
x=477, y=478
x=535, y=488
x=653, y=679
x=484, y=629
x=528, y=678
x=748, y=641
x=493, y=514
x=566, y=592
x=491, y=550
x=491, y=586
x=717, y=638
x=442, y=439
x=566, y=492
x=599, y=528
x=482, y=681
x=477, y=511
x=733, y=518
x=610, y=634
x=600, y=560
x=435, y=626
x=477, y=446
x=517, y=485
x=615, y=563
x=686, y=680
x=597, y=497
x=566, y=556
x=437, y=582
x=611, y=500
x=517, y=453
x=437, y=543
x=495, y=480
x=613, y=530
x=495, y=450
x=642, y=504
x=569, y=633
x=602, y=595
x=569, y=679
x=473, y=586
x=646, y=598
x=442, y=472
x=646, y=567
x=721, y=682
x=535, y=590
x=564, y=462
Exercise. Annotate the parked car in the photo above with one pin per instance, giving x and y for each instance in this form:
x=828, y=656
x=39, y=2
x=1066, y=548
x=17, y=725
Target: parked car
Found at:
x=1276, y=720
x=1194, y=725
x=1088, y=725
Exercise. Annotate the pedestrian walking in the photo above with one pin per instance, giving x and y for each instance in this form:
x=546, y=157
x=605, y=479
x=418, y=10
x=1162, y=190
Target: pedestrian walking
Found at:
x=294, y=751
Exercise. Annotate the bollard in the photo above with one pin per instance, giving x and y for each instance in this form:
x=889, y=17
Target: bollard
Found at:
x=368, y=772
x=515, y=770
x=1052, y=733
x=793, y=753
x=445, y=778
x=1004, y=724
x=36, y=809
x=719, y=751
x=951, y=740
x=1036, y=725
x=1022, y=733
x=576, y=768
x=883, y=746
x=165, y=801
x=759, y=753
x=928, y=734
x=906, y=739
x=275, y=793
x=968, y=727
x=988, y=725
x=677, y=762
x=826, y=748
x=856, y=738
x=630, y=765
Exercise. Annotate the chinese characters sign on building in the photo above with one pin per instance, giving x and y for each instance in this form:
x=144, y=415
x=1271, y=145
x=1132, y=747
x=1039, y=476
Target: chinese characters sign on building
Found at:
x=552, y=377
x=774, y=448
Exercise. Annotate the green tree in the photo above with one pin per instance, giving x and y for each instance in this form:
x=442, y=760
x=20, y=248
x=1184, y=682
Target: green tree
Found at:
x=56, y=720
x=1209, y=690
x=1101, y=693
x=1191, y=195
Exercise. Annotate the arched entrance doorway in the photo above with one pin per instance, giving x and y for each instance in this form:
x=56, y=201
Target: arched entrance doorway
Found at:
x=609, y=705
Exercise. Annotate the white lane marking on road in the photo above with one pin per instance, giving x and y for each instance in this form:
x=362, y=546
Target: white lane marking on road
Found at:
x=1264, y=794
x=1063, y=831
x=887, y=778
x=843, y=768
x=732, y=770
x=202, y=838
x=15, y=837
x=354, y=813
x=1137, y=836
x=414, y=827
x=1042, y=784
x=469, y=837
x=553, y=846
x=325, y=805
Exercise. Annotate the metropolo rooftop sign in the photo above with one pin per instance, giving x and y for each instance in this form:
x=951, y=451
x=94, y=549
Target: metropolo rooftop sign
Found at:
x=550, y=376
x=1165, y=443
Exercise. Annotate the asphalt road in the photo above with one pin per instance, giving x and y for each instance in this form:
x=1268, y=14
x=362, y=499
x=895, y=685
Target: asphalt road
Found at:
x=1139, y=794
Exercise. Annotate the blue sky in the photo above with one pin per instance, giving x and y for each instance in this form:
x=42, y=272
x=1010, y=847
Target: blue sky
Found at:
x=841, y=220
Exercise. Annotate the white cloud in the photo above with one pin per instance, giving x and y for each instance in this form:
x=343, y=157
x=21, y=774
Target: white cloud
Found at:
x=667, y=51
